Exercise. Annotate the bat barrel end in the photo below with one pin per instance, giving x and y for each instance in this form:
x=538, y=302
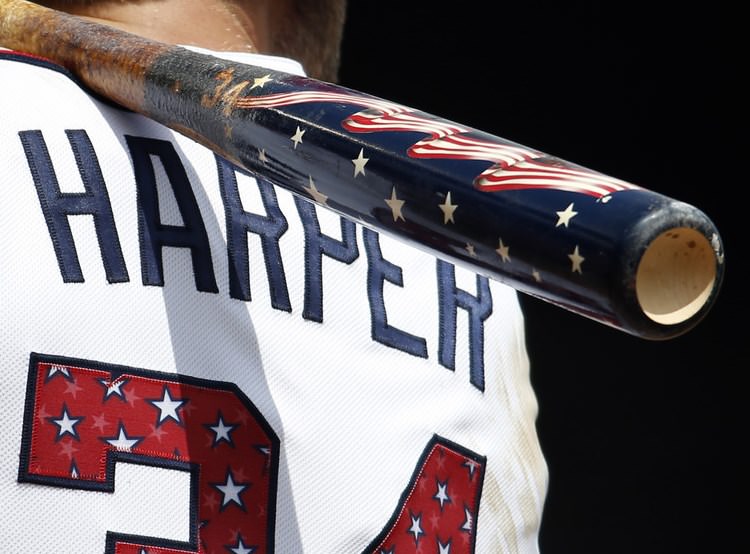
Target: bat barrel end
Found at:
x=677, y=275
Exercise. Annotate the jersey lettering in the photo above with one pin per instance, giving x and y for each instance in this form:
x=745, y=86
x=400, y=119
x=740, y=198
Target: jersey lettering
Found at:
x=269, y=228
x=57, y=206
x=380, y=270
x=190, y=232
x=154, y=234
x=318, y=245
x=479, y=307
x=122, y=414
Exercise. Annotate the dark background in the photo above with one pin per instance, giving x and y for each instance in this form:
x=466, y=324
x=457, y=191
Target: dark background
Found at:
x=644, y=440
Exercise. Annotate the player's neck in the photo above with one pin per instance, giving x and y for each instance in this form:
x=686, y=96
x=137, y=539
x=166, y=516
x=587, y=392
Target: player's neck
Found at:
x=215, y=24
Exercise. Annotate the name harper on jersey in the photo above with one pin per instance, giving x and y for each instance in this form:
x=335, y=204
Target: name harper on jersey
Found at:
x=155, y=234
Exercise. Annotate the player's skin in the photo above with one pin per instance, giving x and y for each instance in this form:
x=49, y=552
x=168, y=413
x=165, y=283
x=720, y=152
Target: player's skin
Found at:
x=307, y=30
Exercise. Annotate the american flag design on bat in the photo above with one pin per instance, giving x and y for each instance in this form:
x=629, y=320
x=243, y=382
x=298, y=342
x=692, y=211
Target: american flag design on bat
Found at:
x=514, y=166
x=591, y=243
x=594, y=244
x=598, y=246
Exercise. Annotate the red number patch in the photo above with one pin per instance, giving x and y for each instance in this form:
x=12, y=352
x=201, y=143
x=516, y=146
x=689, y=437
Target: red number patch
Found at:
x=83, y=417
x=438, y=510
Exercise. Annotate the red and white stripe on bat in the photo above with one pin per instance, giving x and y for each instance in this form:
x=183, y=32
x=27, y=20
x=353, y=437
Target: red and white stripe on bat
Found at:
x=515, y=167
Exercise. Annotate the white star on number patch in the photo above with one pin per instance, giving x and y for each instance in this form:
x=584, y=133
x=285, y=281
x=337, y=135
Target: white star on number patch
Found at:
x=58, y=370
x=468, y=522
x=241, y=548
x=66, y=424
x=122, y=441
x=167, y=406
x=442, y=494
x=231, y=492
x=221, y=430
x=416, y=527
x=113, y=387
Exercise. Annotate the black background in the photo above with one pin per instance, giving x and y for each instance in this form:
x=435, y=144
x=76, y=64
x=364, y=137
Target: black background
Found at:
x=644, y=440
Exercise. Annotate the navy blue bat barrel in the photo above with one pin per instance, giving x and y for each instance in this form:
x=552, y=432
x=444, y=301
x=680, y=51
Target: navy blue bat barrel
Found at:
x=609, y=250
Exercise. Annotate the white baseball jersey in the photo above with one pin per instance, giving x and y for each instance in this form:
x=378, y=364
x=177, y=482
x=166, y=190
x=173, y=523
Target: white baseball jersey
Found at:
x=193, y=360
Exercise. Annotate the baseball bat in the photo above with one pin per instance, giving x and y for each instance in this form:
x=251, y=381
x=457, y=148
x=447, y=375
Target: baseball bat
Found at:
x=609, y=250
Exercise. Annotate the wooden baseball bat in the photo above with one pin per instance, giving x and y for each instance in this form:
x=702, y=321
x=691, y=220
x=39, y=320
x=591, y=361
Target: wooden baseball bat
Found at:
x=609, y=250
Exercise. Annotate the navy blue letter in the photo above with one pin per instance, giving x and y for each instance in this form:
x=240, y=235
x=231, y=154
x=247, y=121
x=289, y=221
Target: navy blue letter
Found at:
x=154, y=234
x=316, y=245
x=380, y=270
x=269, y=227
x=479, y=308
x=57, y=206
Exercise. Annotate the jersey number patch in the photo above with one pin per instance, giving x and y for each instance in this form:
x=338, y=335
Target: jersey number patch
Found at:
x=82, y=417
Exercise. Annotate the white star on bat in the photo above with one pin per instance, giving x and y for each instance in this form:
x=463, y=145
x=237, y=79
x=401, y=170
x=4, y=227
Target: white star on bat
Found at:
x=448, y=209
x=260, y=81
x=565, y=216
x=359, y=163
x=395, y=205
x=537, y=276
x=470, y=249
x=262, y=155
x=576, y=260
x=318, y=196
x=503, y=250
x=297, y=136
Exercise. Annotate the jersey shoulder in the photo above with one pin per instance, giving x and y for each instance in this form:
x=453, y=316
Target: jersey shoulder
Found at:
x=24, y=64
x=28, y=78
